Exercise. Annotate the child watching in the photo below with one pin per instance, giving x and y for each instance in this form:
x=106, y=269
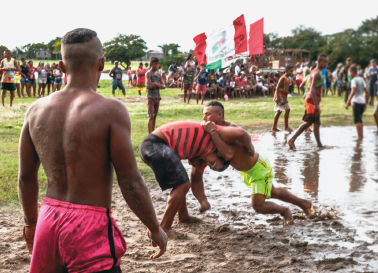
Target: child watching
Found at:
x=188, y=79
x=201, y=76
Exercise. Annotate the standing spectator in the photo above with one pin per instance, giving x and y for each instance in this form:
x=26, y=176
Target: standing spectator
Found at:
x=141, y=82
x=31, y=78
x=49, y=75
x=358, y=100
x=189, y=62
x=146, y=66
x=24, y=77
x=116, y=74
x=344, y=77
x=188, y=80
x=17, y=80
x=129, y=77
x=360, y=71
x=154, y=84
x=306, y=70
x=299, y=78
x=42, y=79
x=172, y=68
x=373, y=81
x=201, y=76
x=8, y=66
x=335, y=78
x=57, y=78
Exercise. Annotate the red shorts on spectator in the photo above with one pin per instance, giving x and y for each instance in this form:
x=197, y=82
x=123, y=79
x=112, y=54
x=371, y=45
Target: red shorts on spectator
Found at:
x=201, y=89
x=188, y=88
x=298, y=82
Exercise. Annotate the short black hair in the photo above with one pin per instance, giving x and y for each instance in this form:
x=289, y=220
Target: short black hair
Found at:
x=78, y=36
x=215, y=103
x=203, y=65
x=288, y=67
x=81, y=48
x=321, y=56
x=7, y=50
x=154, y=60
x=353, y=68
x=226, y=164
x=140, y=63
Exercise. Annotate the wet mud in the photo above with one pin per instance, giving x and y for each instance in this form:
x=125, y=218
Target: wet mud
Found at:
x=342, y=236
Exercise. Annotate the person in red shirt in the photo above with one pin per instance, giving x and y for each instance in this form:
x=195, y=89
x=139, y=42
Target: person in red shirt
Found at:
x=163, y=151
x=141, y=82
x=239, y=88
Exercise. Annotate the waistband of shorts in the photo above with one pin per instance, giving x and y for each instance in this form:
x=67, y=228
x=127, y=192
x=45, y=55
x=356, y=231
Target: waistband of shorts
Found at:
x=154, y=138
x=70, y=206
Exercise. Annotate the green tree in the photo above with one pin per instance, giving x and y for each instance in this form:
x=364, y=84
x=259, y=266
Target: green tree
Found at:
x=2, y=49
x=124, y=49
x=30, y=49
x=170, y=49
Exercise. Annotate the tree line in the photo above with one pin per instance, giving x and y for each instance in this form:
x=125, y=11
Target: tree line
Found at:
x=360, y=44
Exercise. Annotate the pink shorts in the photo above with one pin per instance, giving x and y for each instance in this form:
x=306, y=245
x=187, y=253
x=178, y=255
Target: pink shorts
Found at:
x=201, y=89
x=76, y=238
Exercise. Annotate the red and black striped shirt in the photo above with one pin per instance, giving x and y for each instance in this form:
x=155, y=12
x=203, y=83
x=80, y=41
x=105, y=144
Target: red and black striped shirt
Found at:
x=188, y=139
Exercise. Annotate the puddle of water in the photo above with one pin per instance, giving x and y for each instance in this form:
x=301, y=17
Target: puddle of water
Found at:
x=344, y=177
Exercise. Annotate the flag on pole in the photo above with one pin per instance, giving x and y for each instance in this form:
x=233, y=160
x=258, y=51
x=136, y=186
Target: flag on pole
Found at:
x=222, y=43
x=256, y=38
x=200, y=49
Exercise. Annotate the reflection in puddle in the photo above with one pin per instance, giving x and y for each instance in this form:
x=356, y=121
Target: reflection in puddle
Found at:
x=344, y=178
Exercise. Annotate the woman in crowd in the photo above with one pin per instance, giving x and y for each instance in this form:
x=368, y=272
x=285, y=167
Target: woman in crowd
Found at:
x=129, y=76
x=17, y=81
x=190, y=62
x=31, y=79
x=42, y=78
x=24, y=77
x=58, y=78
x=50, y=77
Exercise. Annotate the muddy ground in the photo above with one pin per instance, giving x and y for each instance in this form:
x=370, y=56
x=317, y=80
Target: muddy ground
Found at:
x=232, y=238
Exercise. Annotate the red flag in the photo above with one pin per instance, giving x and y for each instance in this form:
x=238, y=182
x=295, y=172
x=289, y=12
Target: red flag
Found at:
x=256, y=38
x=240, y=37
x=200, y=50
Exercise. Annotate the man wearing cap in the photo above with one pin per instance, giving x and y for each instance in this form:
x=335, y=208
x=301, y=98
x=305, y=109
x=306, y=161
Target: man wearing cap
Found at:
x=373, y=81
x=116, y=74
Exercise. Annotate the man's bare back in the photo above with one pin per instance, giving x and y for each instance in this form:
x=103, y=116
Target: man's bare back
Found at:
x=79, y=136
x=71, y=133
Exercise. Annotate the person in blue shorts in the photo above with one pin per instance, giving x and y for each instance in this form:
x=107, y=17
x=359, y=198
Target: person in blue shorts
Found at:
x=116, y=74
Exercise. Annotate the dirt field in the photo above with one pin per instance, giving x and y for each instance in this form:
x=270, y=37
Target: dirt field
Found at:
x=232, y=238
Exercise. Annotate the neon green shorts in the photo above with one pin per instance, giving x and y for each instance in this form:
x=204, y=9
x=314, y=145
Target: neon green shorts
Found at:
x=260, y=177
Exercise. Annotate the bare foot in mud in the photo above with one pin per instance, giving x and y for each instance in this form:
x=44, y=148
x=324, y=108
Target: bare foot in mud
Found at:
x=275, y=129
x=288, y=218
x=308, y=130
x=308, y=209
x=173, y=233
x=189, y=220
x=204, y=206
x=291, y=144
x=288, y=129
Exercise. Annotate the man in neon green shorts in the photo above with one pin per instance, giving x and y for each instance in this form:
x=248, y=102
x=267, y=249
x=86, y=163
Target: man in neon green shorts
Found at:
x=256, y=172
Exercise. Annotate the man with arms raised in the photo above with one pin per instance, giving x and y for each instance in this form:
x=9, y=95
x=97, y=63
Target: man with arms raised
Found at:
x=255, y=171
x=78, y=136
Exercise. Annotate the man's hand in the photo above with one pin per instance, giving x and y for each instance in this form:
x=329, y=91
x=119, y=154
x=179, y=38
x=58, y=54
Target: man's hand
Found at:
x=317, y=108
x=28, y=234
x=347, y=106
x=208, y=126
x=159, y=239
x=196, y=162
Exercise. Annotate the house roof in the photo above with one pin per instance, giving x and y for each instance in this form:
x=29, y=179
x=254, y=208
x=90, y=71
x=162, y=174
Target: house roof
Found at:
x=156, y=52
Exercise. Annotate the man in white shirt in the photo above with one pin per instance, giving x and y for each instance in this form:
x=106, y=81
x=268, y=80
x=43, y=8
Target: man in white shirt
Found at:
x=237, y=69
x=357, y=98
x=260, y=82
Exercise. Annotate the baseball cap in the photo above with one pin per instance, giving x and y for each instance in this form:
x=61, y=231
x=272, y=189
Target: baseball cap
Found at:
x=373, y=61
x=115, y=61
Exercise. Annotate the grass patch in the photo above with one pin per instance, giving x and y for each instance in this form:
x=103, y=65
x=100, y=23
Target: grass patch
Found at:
x=253, y=114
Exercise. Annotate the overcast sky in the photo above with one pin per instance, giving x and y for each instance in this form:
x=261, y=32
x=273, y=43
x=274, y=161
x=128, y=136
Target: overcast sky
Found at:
x=160, y=22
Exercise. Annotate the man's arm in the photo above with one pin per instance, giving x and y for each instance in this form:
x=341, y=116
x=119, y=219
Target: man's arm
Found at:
x=348, y=103
x=149, y=83
x=317, y=77
x=132, y=185
x=110, y=72
x=28, y=182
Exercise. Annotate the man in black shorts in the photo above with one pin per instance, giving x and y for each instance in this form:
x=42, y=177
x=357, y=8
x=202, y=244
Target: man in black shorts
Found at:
x=8, y=66
x=163, y=151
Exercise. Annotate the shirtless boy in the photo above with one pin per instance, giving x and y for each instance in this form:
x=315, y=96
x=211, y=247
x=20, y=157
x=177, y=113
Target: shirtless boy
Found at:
x=255, y=171
x=163, y=151
x=280, y=97
x=78, y=136
x=312, y=103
